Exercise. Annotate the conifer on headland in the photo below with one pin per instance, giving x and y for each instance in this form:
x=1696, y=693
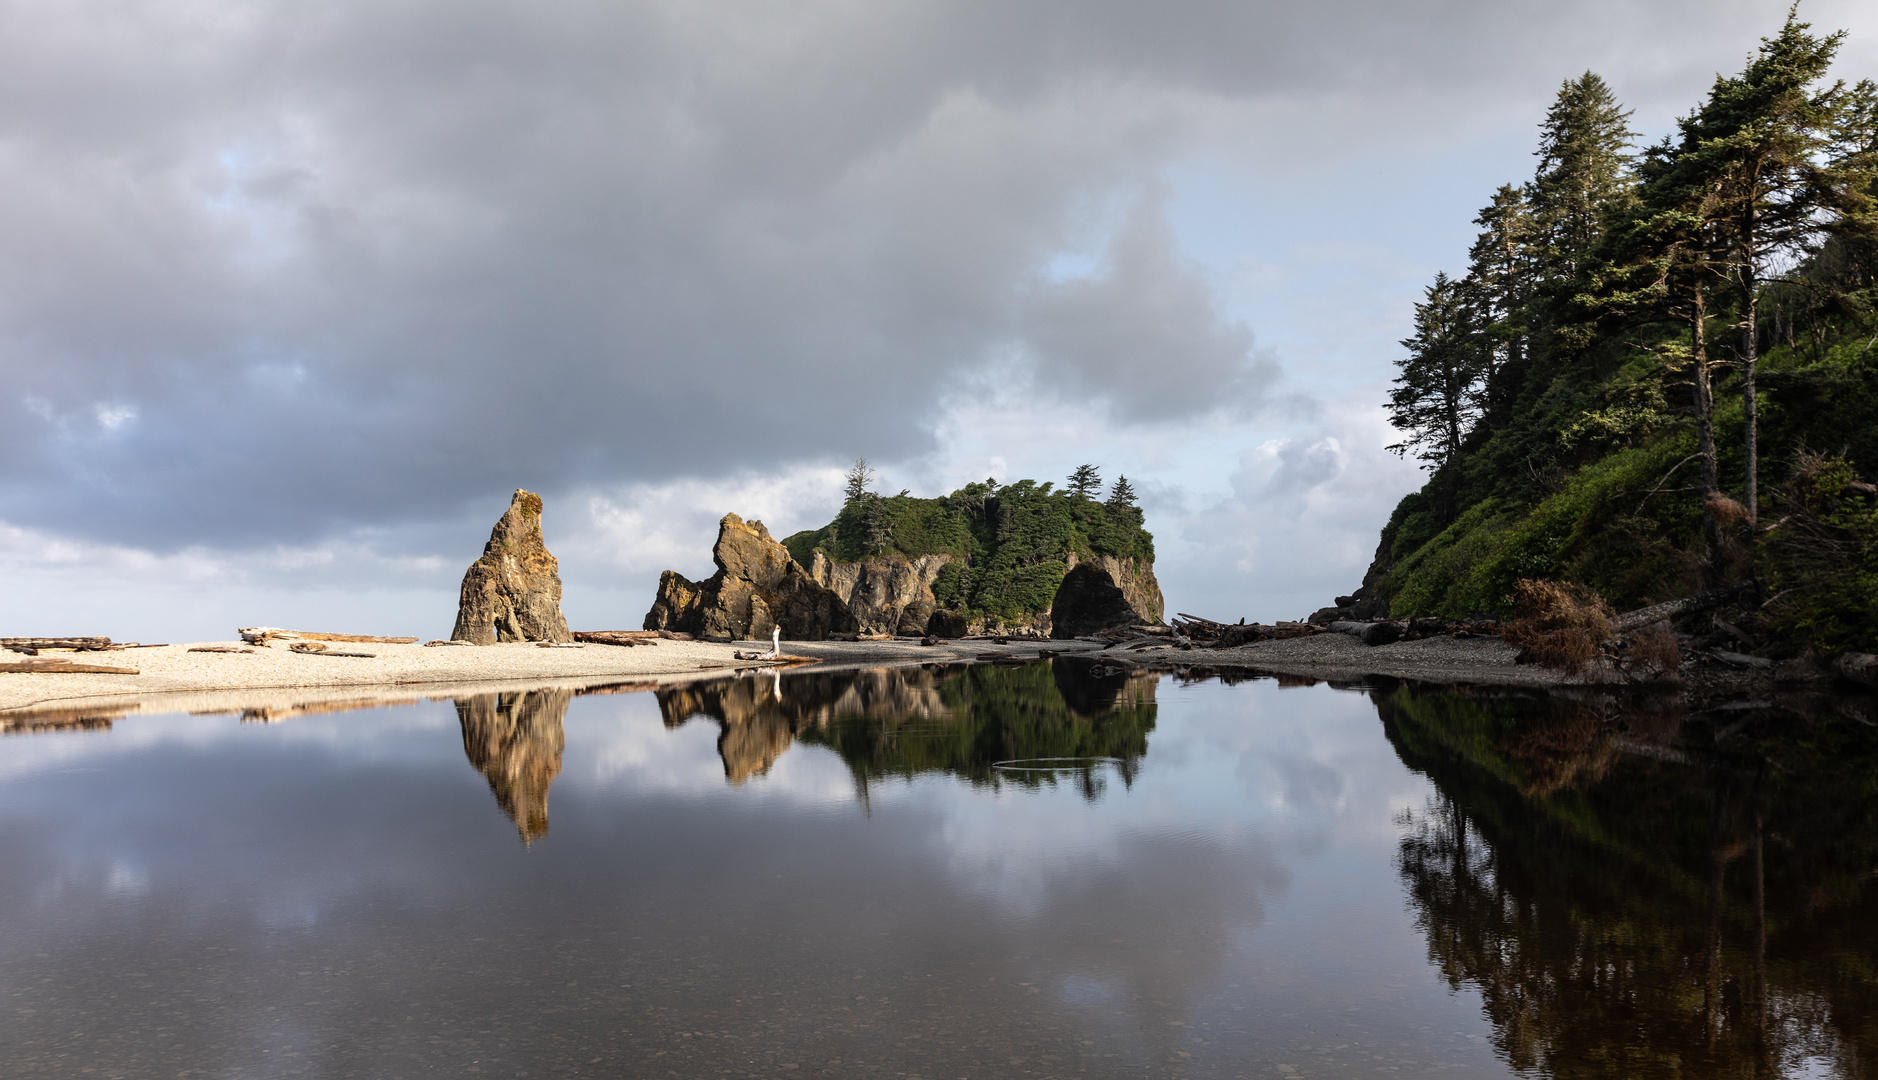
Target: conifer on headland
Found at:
x=1645, y=349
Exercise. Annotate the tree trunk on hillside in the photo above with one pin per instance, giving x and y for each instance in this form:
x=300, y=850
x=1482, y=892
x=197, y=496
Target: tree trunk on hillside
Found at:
x=1705, y=427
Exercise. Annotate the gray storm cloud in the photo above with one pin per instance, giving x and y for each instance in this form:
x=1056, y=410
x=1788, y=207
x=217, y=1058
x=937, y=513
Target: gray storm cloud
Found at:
x=269, y=270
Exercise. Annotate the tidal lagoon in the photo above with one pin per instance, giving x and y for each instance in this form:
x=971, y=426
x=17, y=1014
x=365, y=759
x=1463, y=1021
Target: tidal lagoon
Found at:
x=1057, y=869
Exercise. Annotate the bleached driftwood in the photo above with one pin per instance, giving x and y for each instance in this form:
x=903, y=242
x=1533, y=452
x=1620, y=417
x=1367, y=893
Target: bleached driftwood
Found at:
x=261, y=635
x=318, y=648
x=49, y=666
x=83, y=643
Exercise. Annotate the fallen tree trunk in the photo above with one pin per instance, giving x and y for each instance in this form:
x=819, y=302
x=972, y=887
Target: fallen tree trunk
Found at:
x=260, y=635
x=1670, y=609
x=96, y=644
x=1858, y=666
x=623, y=638
x=65, y=667
x=315, y=648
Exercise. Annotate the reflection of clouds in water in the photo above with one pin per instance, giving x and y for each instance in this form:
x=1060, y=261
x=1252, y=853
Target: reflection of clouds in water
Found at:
x=389, y=734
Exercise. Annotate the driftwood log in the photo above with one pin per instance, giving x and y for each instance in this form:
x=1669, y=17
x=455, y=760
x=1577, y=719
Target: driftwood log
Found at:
x=88, y=644
x=318, y=648
x=629, y=638
x=65, y=667
x=261, y=635
x=1669, y=609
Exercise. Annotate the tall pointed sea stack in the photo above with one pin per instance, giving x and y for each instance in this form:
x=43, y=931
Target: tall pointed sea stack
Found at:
x=513, y=593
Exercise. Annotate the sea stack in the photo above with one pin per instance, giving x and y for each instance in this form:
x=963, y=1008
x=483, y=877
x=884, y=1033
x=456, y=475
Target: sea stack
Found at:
x=758, y=587
x=513, y=593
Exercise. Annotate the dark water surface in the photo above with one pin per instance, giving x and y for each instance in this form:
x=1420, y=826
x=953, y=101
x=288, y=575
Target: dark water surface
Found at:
x=977, y=872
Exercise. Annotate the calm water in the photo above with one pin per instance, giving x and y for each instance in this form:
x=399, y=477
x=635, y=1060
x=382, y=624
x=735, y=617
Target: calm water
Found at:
x=977, y=872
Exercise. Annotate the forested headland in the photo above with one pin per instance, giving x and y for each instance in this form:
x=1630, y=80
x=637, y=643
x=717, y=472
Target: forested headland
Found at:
x=1658, y=373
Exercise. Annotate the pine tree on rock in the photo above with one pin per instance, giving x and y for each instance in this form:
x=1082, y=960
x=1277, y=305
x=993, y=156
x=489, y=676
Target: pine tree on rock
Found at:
x=1121, y=494
x=1084, y=482
x=860, y=476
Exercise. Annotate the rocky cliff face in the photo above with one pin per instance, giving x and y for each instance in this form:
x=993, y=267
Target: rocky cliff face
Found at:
x=1103, y=593
x=891, y=594
x=513, y=593
x=515, y=741
x=757, y=587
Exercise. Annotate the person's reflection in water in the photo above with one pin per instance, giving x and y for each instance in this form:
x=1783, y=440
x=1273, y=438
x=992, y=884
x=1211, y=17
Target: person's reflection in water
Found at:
x=515, y=740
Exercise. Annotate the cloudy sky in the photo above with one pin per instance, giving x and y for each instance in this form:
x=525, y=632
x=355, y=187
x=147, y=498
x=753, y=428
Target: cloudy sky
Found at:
x=292, y=296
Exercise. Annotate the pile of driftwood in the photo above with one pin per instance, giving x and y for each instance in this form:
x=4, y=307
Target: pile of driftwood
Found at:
x=31, y=646
x=1207, y=634
x=1192, y=632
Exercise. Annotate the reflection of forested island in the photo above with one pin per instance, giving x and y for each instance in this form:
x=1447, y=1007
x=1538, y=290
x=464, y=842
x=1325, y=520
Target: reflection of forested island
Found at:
x=904, y=721
x=1687, y=896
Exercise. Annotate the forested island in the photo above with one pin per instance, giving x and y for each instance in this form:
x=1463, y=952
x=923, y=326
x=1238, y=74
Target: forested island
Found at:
x=1023, y=558
x=1658, y=374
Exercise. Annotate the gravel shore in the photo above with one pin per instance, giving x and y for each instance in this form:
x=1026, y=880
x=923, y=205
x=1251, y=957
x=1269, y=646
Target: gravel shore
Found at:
x=1340, y=657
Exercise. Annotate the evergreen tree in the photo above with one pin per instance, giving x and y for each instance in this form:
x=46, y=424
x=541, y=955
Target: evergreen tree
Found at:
x=1437, y=395
x=859, y=477
x=1084, y=482
x=1499, y=284
x=1584, y=168
x=1788, y=164
x=1122, y=494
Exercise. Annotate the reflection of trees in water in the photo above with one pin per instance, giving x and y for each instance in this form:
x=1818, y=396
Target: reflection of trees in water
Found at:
x=904, y=721
x=1631, y=900
x=515, y=740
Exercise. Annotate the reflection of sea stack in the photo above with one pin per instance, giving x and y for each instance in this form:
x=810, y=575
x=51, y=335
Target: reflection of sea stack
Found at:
x=515, y=740
x=758, y=720
x=513, y=593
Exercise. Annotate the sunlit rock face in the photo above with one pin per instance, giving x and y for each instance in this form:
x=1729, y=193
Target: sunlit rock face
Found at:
x=758, y=587
x=1104, y=593
x=888, y=594
x=515, y=740
x=513, y=592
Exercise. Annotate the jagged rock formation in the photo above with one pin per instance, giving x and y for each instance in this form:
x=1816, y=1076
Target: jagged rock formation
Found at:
x=513, y=593
x=890, y=594
x=515, y=740
x=1103, y=593
x=758, y=587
